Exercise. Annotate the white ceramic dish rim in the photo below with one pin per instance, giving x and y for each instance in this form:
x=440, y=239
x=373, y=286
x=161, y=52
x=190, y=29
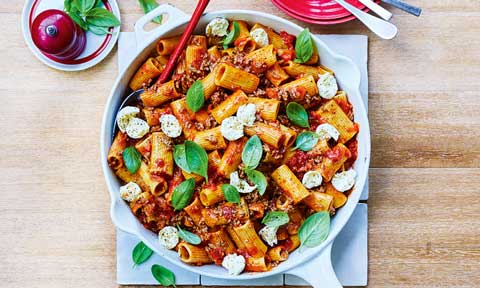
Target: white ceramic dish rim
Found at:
x=348, y=77
x=67, y=67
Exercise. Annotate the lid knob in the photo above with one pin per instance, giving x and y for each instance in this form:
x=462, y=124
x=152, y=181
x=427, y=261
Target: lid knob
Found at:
x=51, y=30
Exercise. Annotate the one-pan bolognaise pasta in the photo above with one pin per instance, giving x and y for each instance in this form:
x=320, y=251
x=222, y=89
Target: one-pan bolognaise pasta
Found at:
x=244, y=154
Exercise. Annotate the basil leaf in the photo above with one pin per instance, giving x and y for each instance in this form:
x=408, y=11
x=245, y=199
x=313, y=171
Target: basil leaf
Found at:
x=188, y=236
x=231, y=193
x=306, y=141
x=252, y=152
x=98, y=30
x=101, y=17
x=303, y=47
x=83, y=5
x=297, y=114
x=164, y=276
x=182, y=194
x=74, y=14
x=197, y=159
x=259, y=179
x=314, y=229
x=195, y=97
x=67, y=5
x=149, y=5
x=275, y=219
x=180, y=157
x=232, y=35
x=98, y=3
x=141, y=253
x=132, y=159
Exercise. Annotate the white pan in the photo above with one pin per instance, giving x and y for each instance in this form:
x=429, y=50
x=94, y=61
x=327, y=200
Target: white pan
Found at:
x=312, y=264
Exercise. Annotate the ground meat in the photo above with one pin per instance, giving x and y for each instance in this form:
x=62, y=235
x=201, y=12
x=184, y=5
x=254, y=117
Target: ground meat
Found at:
x=199, y=126
x=210, y=122
x=218, y=96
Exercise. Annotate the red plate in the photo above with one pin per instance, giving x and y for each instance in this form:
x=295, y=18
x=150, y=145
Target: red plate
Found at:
x=323, y=12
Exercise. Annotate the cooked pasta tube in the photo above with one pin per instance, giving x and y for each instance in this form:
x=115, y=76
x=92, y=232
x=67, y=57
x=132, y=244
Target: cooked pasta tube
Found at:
x=333, y=160
x=229, y=106
x=194, y=210
x=152, y=115
x=314, y=59
x=126, y=177
x=278, y=253
x=192, y=254
x=211, y=194
x=245, y=44
x=339, y=199
x=306, y=83
x=267, y=108
x=296, y=220
x=247, y=239
x=233, y=78
x=219, y=245
x=333, y=114
x=269, y=134
x=185, y=117
x=225, y=213
x=214, y=53
x=295, y=70
x=290, y=184
x=256, y=264
x=276, y=75
x=262, y=57
x=292, y=243
x=166, y=46
x=198, y=40
x=149, y=70
x=282, y=202
x=210, y=139
x=290, y=136
x=114, y=157
x=161, y=157
x=208, y=84
x=232, y=157
x=319, y=201
x=157, y=185
x=257, y=210
x=157, y=95
x=320, y=148
x=145, y=147
x=273, y=38
x=194, y=56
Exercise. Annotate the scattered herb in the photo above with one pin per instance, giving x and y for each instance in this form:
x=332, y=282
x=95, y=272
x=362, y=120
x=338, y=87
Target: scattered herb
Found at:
x=306, y=141
x=252, y=152
x=141, y=253
x=195, y=97
x=149, y=5
x=297, y=114
x=180, y=157
x=183, y=193
x=83, y=5
x=303, y=47
x=197, y=159
x=232, y=35
x=164, y=276
x=275, y=219
x=314, y=229
x=258, y=179
x=231, y=193
x=91, y=16
x=188, y=236
x=132, y=159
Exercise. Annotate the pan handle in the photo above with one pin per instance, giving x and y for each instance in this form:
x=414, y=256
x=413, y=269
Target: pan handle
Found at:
x=318, y=272
x=174, y=16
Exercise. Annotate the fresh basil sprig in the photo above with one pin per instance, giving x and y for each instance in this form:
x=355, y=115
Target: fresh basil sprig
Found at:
x=197, y=159
x=297, y=114
x=275, y=219
x=188, y=236
x=195, y=97
x=231, y=193
x=314, y=229
x=183, y=193
x=149, y=5
x=90, y=15
x=306, y=141
x=232, y=35
x=303, y=46
x=252, y=152
x=164, y=276
x=180, y=158
x=141, y=253
x=132, y=159
x=258, y=179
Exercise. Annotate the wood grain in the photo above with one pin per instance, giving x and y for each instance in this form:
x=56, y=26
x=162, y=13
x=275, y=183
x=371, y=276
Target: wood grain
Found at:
x=55, y=230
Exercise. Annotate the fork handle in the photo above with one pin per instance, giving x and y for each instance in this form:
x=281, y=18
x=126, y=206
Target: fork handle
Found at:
x=405, y=7
x=379, y=10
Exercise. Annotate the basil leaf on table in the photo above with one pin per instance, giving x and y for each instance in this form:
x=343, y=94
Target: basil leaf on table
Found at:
x=231, y=193
x=232, y=35
x=98, y=30
x=84, y=5
x=297, y=114
x=303, y=46
x=183, y=193
x=132, y=159
x=275, y=219
x=314, y=230
x=197, y=159
x=141, y=253
x=180, y=158
x=149, y=5
x=258, y=179
x=188, y=236
x=164, y=276
x=252, y=152
x=306, y=141
x=101, y=17
x=195, y=97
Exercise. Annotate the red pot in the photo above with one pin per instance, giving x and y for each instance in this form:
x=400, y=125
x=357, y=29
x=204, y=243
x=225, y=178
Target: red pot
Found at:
x=56, y=34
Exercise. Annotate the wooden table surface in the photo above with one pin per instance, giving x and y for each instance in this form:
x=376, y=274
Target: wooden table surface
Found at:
x=424, y=207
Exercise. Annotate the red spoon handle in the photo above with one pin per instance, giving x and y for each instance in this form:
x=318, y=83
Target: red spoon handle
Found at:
x=202, y=4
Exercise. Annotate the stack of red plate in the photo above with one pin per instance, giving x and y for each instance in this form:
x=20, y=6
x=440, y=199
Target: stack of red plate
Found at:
x=323, y=12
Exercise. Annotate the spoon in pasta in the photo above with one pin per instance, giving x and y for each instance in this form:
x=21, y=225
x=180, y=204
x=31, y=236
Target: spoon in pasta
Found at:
x=135, y=95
